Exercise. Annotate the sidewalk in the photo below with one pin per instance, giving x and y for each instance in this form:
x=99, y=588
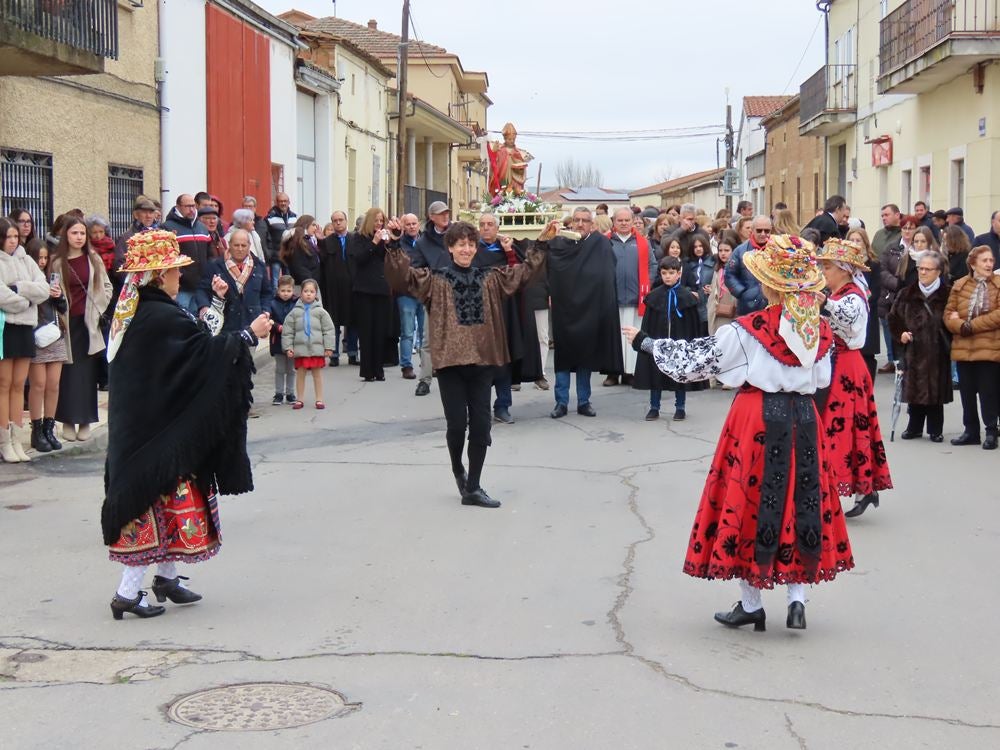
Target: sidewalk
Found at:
x=98, y=441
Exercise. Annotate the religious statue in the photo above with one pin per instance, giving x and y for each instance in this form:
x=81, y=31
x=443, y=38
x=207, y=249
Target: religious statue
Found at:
x=508, y=163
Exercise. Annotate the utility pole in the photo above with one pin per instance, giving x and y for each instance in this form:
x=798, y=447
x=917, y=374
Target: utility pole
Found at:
x=401, y=139
x=729, y=147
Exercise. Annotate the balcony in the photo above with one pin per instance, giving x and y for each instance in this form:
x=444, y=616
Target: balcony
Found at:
x=57, y=37
x=827, y=103
x=417, y=199
x=925, y=43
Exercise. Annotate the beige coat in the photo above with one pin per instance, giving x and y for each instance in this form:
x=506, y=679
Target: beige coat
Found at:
x=20, y=272
x=98, y=298
x=716, y=296
x=984, y=343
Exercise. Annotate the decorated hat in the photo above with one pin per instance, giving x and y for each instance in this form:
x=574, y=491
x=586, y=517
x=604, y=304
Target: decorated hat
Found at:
x=787, y=263
x=844, y=251
x=155, y=250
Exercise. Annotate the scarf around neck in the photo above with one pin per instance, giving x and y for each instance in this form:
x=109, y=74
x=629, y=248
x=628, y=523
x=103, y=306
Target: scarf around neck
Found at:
x=980, y=302
x=930, y=288
x=307, y=306
x=240, y=277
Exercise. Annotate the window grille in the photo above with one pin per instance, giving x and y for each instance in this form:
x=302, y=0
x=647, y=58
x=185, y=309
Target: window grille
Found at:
x=124, y=185
x=26, y=183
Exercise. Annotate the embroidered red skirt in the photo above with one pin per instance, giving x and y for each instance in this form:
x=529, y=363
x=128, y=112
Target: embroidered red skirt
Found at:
x=181, y=526
x=723, y=539
x=850, y=428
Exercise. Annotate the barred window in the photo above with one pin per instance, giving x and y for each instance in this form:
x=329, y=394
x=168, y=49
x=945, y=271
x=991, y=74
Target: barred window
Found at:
x=26, y=184
x=124, y=185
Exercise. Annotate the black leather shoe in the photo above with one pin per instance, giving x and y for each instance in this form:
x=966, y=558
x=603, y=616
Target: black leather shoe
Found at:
x=503, y=415
x=796, y=616
x=909, y=434
x=680, y=415
x=559, y=412
x=990, y=443
x=965, y=439
x=120, y=605
x=334, y=362
x=936, y=438
x=610, y=380
x=170, y=588
x=586, y=410
x=49, y=428
x=422, y=389
x=461, y=480
x=652, y=415
x=479, y=497
x=353, y=361
x=739, y=617
x=862, y=505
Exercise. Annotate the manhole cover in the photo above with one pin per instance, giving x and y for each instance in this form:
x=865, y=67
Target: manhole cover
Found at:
x=257, y=706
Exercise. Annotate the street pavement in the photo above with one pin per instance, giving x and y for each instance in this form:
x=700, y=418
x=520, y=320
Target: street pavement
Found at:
x=560, y=620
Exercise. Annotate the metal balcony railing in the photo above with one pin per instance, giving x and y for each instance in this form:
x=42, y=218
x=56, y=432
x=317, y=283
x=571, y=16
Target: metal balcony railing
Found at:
x=417, y=199
x=88, y=25
x=829, y=89
x=918, y=25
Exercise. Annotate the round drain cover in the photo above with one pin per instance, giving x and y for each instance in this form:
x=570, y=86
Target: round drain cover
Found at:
x=256, y=706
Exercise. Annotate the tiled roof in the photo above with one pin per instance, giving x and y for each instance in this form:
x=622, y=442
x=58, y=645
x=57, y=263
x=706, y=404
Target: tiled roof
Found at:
x=370, y=38
x=677, y=182
x=584, y=195
x=762, y=106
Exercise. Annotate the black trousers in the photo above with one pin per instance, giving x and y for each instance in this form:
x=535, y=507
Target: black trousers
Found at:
x=465, y=396
x=371, y=314
x=934, y=415
x=980, y=379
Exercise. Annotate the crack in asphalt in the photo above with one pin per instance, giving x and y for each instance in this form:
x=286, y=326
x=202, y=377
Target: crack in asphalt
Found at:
x=795, y=735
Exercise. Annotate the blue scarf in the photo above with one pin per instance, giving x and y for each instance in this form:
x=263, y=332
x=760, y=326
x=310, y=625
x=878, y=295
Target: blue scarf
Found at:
x=672, y=297
x=308, y=324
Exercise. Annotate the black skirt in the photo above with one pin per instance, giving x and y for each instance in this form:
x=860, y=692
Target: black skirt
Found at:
x=78, y=383
x=18, y=341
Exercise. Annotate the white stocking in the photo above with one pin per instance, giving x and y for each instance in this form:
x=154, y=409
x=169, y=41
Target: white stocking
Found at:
x=750, y=597
x=132, y=576
x=796, y=593
x=166, y=570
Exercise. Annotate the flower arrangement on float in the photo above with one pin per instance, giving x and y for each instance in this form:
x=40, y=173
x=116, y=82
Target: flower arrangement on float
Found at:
x=509, y=203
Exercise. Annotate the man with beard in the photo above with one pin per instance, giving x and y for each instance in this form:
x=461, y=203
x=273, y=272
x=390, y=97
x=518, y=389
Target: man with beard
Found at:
x=585, y=327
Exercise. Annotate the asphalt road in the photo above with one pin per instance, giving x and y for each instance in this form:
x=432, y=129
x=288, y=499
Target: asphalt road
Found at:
x=561, y=620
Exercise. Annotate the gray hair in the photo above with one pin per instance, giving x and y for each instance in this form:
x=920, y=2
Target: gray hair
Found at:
x=249, y=199
x=942, y=262
x=582, y=210
x=245, y=233
x=689, y=208
x=622, y=209
x=242, y=215
x=97, y=220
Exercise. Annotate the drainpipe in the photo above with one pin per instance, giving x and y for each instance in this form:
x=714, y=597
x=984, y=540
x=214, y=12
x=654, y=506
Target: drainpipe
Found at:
x=823, y=6
x=160, y=75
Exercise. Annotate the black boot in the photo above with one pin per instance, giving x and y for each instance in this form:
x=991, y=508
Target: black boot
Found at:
x=738, y=617
x=170, y=588
x=49, y=428
x=38, y=439
x=120, y=605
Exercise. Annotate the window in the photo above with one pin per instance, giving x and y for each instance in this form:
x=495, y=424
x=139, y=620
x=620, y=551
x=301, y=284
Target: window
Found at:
x=924, y=187
x=124, y=185
x=958, y=182
x=906, y=190
x=352, y=182
x=376, y=178
x=26, y=183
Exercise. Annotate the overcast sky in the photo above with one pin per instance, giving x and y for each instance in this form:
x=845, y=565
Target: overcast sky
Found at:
x=578, y=66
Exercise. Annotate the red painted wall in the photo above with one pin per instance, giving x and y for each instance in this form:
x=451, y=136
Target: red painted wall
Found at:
x=238, y=111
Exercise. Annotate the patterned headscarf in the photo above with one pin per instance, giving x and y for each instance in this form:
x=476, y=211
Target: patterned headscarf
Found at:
x=128, y=303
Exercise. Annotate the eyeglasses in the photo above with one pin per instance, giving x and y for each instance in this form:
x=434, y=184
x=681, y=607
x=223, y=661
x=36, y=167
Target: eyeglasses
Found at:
x=24, y=221
x=762, y=231
x=909, y=228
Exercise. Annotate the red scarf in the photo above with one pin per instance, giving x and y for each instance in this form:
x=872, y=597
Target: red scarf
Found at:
x=105, y=247
x=642, y=245
x=753, y=243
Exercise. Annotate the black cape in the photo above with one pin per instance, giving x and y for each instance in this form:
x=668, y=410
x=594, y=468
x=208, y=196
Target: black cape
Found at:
x=685, y=326
x=177, y=408
x=585, y=325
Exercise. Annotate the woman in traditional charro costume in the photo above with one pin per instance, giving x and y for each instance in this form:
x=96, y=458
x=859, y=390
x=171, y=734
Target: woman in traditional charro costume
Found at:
x=769, y=512
x=850, y=420
x=179, y=400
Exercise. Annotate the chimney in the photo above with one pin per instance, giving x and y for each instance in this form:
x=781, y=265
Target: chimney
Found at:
x=373, y=24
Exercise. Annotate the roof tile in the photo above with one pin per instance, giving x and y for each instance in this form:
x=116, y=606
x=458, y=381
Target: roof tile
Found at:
x=374, y=40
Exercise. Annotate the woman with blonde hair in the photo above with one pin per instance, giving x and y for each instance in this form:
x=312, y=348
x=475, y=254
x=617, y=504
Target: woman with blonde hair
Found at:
x=371, y=303
x=872, y=278
x=784, y=222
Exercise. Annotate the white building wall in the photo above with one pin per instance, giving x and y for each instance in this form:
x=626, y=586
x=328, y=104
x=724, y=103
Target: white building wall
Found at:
x=283, y=117
x=184, y=150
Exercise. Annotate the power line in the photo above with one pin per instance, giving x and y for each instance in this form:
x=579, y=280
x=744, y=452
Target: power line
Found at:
x=804, y=53
x=420, y=47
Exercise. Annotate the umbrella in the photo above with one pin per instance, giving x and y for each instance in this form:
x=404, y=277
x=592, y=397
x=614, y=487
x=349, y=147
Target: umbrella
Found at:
x=897, y=397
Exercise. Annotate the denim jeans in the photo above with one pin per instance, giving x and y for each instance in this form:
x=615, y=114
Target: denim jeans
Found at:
x=419, y=330
x=888, y=338
x=350, y=341
x=680, y=399
x=502, y=382
x=187, y=301
x=408, y=308
x=582, y=386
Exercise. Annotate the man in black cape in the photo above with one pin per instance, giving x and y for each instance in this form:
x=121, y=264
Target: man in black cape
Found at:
x=585, y=327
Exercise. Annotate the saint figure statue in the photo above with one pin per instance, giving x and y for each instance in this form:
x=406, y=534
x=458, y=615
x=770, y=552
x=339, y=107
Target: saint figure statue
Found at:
x=508, y=163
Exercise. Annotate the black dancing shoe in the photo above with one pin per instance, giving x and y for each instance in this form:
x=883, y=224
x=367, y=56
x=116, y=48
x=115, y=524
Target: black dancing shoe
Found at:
x=479, y=497
x=862, y=505
x=796, y=619
x=120, y=605
x=170, y=588
x=738, y=617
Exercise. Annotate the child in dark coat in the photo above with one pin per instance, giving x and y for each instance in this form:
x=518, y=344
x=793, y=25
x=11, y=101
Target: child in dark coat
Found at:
x=671, y=312
x=284, y=367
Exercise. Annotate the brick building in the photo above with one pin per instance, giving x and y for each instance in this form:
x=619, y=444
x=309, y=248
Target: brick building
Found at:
x=793, y=164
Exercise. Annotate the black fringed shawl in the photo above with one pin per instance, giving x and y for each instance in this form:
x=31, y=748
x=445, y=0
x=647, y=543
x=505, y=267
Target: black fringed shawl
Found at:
x=177, y=408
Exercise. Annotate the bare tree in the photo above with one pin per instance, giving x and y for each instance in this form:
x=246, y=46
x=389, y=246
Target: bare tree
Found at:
x=571, y=174
x=666, y=174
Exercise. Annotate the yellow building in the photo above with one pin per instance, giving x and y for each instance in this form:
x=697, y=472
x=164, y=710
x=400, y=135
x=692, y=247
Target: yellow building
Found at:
x=70, y=140
x=909, y=103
